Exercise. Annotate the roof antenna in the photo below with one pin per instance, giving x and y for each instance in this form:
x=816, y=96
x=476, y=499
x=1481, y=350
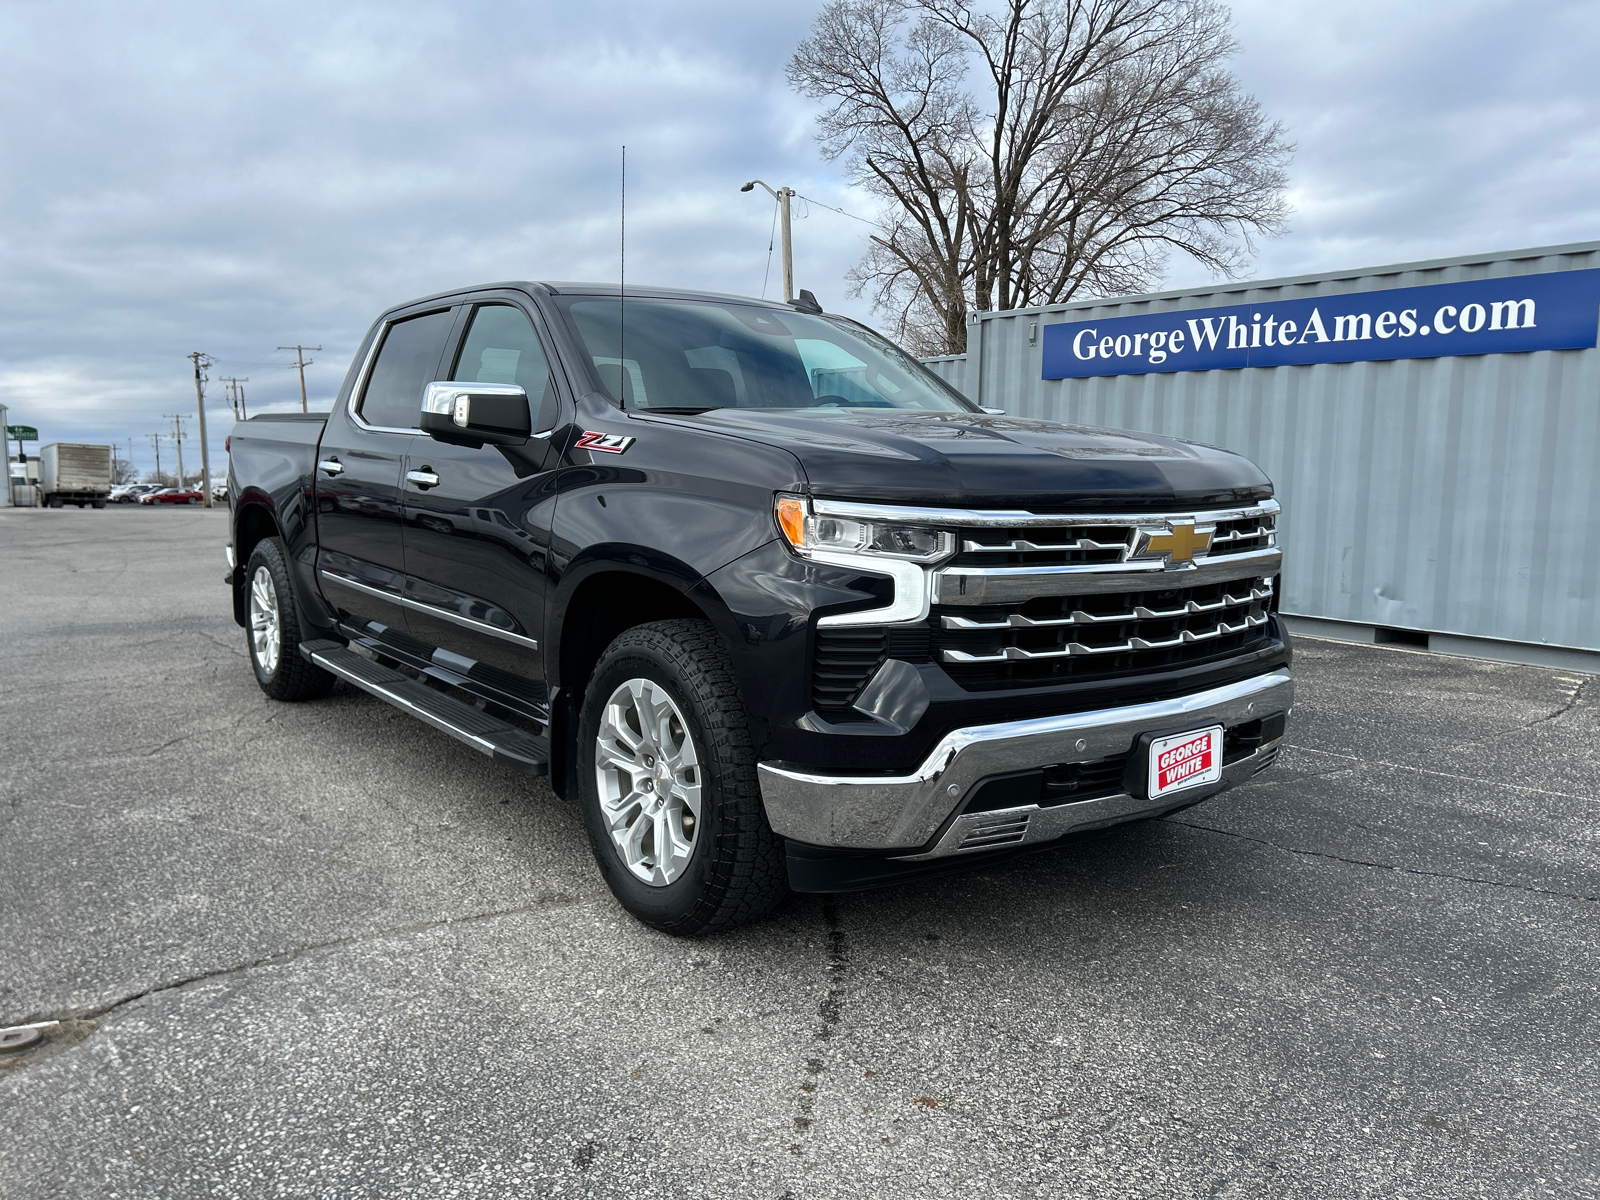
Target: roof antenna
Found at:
x=622, y=300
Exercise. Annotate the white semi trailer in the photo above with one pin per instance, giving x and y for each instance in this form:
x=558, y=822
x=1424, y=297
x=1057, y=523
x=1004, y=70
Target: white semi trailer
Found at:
x=73, y=473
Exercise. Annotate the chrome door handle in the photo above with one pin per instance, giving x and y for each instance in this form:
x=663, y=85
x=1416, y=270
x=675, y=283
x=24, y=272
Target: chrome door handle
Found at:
x=331, y=466
x=423, y=479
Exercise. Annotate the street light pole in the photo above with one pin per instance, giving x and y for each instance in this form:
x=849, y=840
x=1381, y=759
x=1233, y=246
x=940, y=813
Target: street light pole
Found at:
x=782, y=196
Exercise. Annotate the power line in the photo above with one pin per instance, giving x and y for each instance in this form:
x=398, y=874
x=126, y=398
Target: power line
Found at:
x=831, y=208
x=771, y=237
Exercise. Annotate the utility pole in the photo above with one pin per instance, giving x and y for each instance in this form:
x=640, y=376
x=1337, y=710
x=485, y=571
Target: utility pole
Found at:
x=782, y=196
x=236, y=394
x=201, y=362
x=302, y=362
x=177, y=437
x=155, y=440
x=5, y=442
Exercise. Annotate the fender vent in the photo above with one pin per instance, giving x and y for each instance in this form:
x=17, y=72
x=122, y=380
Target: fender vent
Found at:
x=842, y=663
x=845, y=658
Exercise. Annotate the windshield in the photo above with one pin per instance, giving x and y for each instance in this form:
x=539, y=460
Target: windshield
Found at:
x=695, y=354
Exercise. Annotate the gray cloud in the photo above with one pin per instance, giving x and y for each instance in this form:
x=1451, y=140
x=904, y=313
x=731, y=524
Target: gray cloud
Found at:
x=186, y=176
x=1427, y=129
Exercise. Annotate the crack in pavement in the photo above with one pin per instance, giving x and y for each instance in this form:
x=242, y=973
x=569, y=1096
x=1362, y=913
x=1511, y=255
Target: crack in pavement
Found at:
x=1571, y=703
x=828, y=1008
x=228, y=646
x=1359, y=862
x=544, y=903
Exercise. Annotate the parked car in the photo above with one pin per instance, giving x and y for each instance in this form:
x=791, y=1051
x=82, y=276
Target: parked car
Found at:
x=129, y=493
x=172, y=496
x=771, y=602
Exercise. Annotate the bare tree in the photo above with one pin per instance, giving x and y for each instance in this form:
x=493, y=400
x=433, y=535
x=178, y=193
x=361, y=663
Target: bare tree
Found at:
x=1108, y=133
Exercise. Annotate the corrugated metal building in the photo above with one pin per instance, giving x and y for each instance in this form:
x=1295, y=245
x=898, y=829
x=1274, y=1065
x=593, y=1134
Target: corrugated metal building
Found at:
x=1452, y=501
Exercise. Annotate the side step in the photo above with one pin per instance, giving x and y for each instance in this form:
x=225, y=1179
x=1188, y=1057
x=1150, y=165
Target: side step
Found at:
x=506, y=744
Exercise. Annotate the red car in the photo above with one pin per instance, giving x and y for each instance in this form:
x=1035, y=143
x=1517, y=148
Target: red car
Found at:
x=171, y=496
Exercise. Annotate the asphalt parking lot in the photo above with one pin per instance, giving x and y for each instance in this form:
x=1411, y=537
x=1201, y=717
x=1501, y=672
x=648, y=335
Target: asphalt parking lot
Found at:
x=323, y=950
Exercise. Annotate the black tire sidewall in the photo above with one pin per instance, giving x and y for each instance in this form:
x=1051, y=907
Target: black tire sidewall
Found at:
x=266, y=554
x=674, y=903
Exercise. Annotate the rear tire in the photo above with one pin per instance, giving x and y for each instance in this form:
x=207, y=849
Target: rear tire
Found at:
x=695, y=751
x=274, y=630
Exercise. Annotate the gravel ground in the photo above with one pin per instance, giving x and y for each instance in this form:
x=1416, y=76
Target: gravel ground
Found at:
x=323, y=950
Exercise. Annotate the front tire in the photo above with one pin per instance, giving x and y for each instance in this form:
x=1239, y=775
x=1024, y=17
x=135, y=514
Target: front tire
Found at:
x=667, y=782
x=274, y=629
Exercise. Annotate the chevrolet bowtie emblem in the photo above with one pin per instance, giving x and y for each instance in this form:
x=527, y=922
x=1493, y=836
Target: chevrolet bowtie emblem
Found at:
x=1179, y=544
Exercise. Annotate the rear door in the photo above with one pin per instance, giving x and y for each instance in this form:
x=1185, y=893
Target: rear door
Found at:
x=361, y=558
x=477, y=520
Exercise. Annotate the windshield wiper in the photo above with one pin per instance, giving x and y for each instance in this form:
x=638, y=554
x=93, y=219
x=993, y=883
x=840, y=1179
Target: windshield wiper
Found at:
x=680, y=410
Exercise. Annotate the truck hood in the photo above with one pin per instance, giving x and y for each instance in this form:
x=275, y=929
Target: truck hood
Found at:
x=972, y=459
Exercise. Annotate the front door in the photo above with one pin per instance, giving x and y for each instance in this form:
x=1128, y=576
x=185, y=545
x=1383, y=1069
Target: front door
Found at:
x=360, y=534
x=477, y=520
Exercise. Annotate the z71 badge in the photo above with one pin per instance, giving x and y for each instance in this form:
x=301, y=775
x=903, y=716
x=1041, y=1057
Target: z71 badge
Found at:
x=608, y=443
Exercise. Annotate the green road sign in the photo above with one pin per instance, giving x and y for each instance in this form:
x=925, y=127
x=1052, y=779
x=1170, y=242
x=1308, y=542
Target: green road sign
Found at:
x=22, y=433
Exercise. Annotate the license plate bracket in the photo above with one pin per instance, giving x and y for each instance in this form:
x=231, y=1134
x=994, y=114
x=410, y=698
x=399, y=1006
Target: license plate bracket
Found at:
x=1171, y=763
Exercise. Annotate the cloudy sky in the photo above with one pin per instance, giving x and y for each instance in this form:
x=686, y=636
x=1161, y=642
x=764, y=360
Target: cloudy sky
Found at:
x=231, y=178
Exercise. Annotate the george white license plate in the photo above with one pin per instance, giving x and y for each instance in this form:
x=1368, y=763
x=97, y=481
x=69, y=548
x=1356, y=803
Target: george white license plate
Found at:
x=1185, y=760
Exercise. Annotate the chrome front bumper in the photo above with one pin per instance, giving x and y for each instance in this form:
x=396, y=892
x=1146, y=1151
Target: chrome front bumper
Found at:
x=900, y=814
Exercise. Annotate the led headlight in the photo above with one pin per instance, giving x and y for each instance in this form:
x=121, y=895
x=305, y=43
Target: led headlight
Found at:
x=811, y=532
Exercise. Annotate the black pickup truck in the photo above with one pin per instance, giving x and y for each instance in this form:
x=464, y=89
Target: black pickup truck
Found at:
x=775, y=605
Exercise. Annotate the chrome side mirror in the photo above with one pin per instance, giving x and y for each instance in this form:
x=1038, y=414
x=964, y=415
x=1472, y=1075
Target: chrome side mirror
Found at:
x=474, y=414
x=994, y=412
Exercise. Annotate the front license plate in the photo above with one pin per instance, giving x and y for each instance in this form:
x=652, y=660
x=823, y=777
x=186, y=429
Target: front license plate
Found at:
x=1185, y=760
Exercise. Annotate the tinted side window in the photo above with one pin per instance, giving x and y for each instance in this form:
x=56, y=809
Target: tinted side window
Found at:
x=408, y=361
x=501, y=347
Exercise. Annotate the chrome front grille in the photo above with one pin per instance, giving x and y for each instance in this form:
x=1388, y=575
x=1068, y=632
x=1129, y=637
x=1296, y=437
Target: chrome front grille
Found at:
x=1045, y=546
x=1032, y=599
x=1090, y=541
x=1057, y=638
x=1242, y=612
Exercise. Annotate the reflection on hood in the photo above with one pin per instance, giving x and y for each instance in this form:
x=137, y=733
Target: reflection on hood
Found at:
x=950, y=458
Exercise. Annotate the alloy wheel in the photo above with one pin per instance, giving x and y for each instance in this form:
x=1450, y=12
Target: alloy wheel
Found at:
x=264, y=625
x=647, y=772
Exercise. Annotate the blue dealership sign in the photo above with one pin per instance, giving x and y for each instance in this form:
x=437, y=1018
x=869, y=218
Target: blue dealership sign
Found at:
x=1559, y=310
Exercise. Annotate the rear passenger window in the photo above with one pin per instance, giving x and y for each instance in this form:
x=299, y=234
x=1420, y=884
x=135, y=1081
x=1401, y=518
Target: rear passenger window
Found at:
x=407, y=362
x=501, y=347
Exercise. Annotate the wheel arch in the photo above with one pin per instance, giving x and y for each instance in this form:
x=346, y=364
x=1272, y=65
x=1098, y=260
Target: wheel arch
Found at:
x=253, y=522
x=597, y=601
